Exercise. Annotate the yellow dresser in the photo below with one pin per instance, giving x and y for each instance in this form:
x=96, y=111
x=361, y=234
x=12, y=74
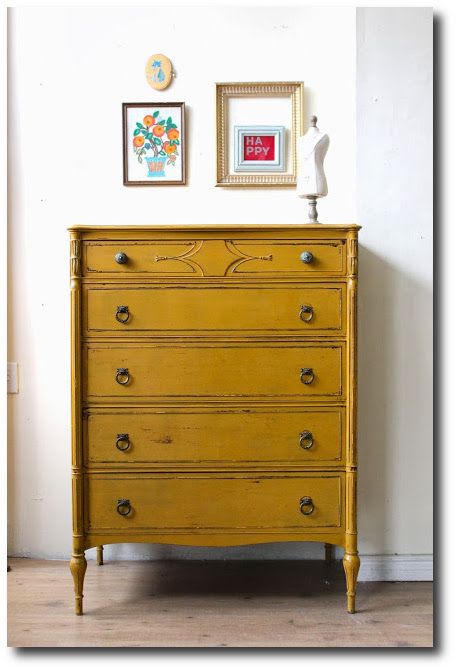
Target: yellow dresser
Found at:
x=214, y=387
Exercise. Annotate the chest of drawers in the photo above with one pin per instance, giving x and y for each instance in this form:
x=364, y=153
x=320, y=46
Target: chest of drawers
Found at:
x=214, y=387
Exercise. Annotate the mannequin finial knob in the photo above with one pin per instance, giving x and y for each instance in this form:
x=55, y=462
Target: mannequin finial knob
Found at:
x=313, y=121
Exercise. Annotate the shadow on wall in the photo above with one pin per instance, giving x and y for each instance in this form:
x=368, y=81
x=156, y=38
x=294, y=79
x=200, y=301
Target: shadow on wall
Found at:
x=389, y=375
x=376, y=284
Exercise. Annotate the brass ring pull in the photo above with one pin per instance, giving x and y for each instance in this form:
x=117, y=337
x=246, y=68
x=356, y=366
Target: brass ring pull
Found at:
x=306, y=313
x=122, y=309
x=123, y=506
x=307, y=375
x=122, y=376
x=306, y=505
x=123, y=439
x=306, y=257
x=306, y=440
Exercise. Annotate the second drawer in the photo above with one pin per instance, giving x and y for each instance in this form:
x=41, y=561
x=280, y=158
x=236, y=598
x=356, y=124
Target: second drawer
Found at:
x=167, y=437
x=141, y=310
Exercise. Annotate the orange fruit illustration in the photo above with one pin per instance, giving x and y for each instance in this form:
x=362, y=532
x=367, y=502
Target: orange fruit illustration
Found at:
x=173, y=134
x=148, y=120
x=138, y=141
x=169, y=148
x=158, y=131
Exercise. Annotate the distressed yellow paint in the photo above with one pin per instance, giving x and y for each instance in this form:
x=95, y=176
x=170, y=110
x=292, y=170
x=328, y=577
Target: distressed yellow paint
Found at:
x=219, y=310
x=213, y=502
x=215, y=409
x=215, y=438
x=213, y=370
x=198, y=257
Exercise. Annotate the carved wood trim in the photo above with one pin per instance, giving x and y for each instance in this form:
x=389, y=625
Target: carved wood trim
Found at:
x=76, y=393
x=352, y=256
x=352, y=371
x=75, y=257
x=243, y=257
x=259, y=88
x=195, y=246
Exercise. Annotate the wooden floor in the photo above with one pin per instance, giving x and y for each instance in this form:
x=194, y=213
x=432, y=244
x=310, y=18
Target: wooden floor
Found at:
x=211, y=604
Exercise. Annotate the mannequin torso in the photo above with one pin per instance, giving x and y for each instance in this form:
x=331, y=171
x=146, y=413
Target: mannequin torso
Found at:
x=312, y=148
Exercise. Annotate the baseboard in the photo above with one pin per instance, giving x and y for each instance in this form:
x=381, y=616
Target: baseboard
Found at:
x=394, y=568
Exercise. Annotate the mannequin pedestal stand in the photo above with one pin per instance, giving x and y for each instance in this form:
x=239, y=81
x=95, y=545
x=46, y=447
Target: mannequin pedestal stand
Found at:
x=313, y=214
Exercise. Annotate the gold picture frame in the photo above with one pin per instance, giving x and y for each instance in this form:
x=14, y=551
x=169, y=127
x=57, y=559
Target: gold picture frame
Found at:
x=290, y=91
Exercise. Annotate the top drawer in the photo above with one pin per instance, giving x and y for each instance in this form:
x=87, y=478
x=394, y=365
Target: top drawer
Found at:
x=215, y=258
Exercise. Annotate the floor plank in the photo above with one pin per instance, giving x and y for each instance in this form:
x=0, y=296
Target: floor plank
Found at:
x=211, y=604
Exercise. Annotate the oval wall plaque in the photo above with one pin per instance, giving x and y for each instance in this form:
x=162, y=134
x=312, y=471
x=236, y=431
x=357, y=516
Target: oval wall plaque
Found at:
x=159, y=71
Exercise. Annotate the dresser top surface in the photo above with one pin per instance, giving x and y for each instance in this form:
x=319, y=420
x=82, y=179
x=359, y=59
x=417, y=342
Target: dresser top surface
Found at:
x=218, y=227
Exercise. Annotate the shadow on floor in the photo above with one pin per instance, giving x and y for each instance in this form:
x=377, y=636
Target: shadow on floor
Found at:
x=235, y=578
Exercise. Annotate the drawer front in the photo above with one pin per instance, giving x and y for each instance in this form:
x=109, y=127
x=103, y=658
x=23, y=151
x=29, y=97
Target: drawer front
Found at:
x=216, y=502
x=291, y=257
x=161, y=257
x=215, y=258
x=150, y=309
x=224, y=438
x=213, y=370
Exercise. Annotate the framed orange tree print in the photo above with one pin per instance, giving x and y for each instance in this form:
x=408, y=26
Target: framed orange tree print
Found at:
x=153, y=143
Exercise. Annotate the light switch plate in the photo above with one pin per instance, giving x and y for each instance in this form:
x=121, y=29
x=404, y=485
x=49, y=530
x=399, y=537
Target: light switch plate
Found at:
x=12, y=378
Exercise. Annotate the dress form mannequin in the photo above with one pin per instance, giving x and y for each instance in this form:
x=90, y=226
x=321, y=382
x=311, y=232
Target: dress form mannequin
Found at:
x=311, y=183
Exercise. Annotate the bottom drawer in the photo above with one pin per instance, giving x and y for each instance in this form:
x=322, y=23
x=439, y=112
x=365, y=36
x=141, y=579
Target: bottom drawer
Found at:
x=241, y=502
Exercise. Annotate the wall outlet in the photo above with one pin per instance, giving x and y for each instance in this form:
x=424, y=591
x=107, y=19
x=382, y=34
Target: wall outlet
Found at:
x=12, y=385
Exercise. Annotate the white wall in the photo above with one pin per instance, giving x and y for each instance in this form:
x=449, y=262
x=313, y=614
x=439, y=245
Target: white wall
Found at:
x=394, y=187
x=69, y=71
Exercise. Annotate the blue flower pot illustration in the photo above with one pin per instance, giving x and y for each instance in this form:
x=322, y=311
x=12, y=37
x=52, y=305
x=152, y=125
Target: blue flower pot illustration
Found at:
x=158, y=74
x=156, y=166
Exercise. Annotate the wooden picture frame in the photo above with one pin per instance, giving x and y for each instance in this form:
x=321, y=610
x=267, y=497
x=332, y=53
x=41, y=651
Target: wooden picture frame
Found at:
x=154, y=149
x=277, y=104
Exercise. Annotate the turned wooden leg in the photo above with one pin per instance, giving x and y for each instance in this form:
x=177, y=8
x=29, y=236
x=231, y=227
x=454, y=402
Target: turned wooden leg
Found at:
x=351, y=566
x=328, y=553
x=78, y=567
x=100, y=555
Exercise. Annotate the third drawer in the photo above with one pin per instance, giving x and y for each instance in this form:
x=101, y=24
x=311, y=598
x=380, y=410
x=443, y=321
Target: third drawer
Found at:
x=165, y=437
x=214, y=370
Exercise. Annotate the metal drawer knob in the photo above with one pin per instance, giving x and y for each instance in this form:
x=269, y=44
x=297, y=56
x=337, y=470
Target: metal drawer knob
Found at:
x=123, y=506
x=306, y=440
x=123, y=442
x=307, y=375
x=121, y=258
x=306, y=505
x=306, y=257
x=122, y=376
x=306, y=313
x=122, y=314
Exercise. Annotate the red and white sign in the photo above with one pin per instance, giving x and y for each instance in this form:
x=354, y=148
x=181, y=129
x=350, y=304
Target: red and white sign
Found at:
x=259, y=147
